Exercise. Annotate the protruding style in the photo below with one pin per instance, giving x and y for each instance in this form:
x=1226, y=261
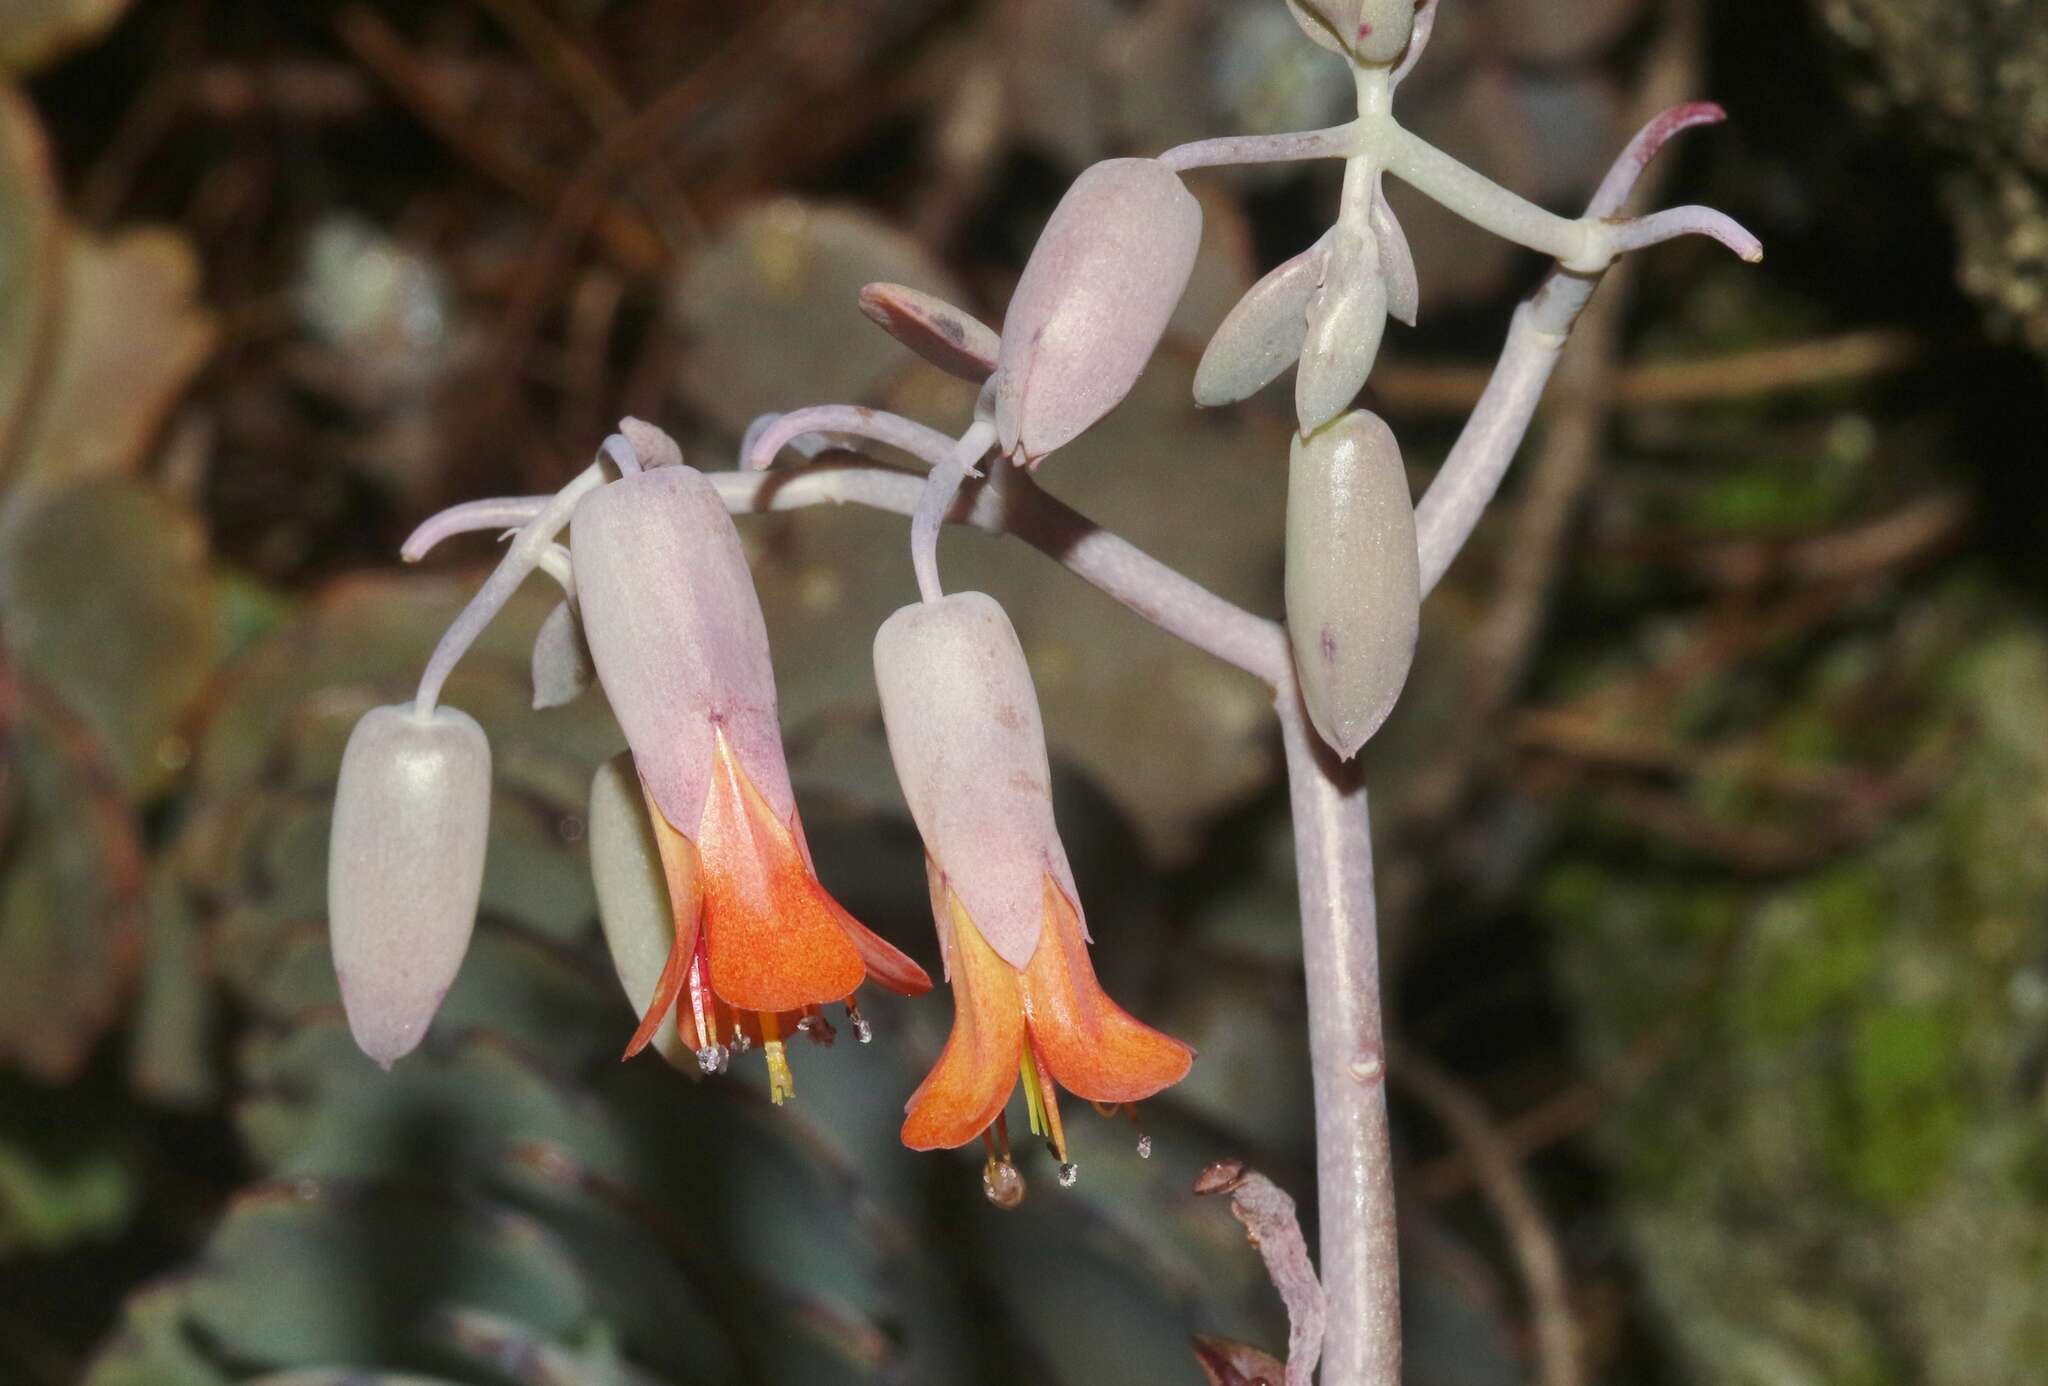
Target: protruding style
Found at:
x=964, y=731
x=405, y=868
x=1354, y=586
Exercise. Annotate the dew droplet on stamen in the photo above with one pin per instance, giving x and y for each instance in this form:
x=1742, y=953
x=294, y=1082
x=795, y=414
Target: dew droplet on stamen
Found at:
x=713, y=1058
x=1003, y=1184
x=1144, y=1147
x=1070, y=1173
x=862, y=1030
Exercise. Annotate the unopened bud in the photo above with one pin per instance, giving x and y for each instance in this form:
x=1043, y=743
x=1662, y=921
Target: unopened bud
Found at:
x=405, y=868
x=1354, y=584
x=1375, y=32
x=1093, y=302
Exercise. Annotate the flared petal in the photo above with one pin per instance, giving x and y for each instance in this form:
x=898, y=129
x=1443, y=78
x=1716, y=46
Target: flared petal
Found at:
x=772, y=936
x=1093, y=1047
x=976, y=1073
x=887, y=965
x=679, y=869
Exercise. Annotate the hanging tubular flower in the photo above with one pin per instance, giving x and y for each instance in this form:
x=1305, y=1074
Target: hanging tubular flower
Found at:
x=722, y=934
x=676, y=633
x=965, y=734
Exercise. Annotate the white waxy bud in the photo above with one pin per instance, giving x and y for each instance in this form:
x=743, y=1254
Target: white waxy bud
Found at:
x=405, y=867
x=632, y=894
x=1346, y=319
x=1094, y=300
x=1354, y=583
x=675, y=629
x=969, y=746
x=1263, y=334
x=1376, y=32
x=561, y=660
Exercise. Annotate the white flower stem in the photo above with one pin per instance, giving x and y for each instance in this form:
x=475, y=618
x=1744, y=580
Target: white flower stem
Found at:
x=1347, y=1057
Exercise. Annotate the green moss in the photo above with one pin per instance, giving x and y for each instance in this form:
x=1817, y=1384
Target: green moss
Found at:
x=1817, y=952
x=1905, y=1108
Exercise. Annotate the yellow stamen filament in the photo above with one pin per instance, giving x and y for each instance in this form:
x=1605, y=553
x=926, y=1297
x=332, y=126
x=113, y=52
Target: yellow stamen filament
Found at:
x=781, y=1082
x=1055, y=1133
x=1034, y=1100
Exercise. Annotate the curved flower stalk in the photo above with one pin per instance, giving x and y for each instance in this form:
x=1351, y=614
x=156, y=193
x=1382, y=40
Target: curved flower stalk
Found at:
x=1327, y=308
x=675, y=634
x=969, y=747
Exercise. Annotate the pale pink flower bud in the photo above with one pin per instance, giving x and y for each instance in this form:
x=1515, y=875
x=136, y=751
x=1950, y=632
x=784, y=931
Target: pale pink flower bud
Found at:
x=1094, y=301
x=1354, y=584
x=405, y=868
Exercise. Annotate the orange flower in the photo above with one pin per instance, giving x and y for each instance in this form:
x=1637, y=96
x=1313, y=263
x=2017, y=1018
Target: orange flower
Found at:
x=759, y=944
x=675, y=631
x=1049, y=1023
x=969, y=748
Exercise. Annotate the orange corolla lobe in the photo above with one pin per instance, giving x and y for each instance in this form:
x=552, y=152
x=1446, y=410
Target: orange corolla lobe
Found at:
x=1076, y=1036
x=771, y=939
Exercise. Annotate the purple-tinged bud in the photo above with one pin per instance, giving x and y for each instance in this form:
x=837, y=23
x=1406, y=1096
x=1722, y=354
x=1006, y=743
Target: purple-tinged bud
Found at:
x=969, y=747
x=1262, y=337
x=955, y=342
x=1354, y=583
x=405, y=867
x=675, y=628
x=633, y=902
x=1094, y=301
x=1347, y=317
x=561, y=660
x=1375, y=32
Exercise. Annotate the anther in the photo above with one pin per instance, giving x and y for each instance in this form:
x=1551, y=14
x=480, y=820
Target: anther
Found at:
x=1070, y=1174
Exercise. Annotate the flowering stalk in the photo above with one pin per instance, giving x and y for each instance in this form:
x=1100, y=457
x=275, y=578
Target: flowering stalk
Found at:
x=696, y=836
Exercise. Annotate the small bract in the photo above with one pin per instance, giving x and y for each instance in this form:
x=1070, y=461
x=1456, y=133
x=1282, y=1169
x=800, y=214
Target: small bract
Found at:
x=405, y=868
x=1094, y=301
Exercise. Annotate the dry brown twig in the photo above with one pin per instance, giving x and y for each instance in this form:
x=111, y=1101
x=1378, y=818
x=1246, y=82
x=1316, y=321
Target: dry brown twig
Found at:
x=1269, y=1220
x=1498, y=1172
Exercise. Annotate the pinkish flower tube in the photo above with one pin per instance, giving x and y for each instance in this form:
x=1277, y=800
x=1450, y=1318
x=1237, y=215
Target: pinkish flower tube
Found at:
x=1094, y=301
